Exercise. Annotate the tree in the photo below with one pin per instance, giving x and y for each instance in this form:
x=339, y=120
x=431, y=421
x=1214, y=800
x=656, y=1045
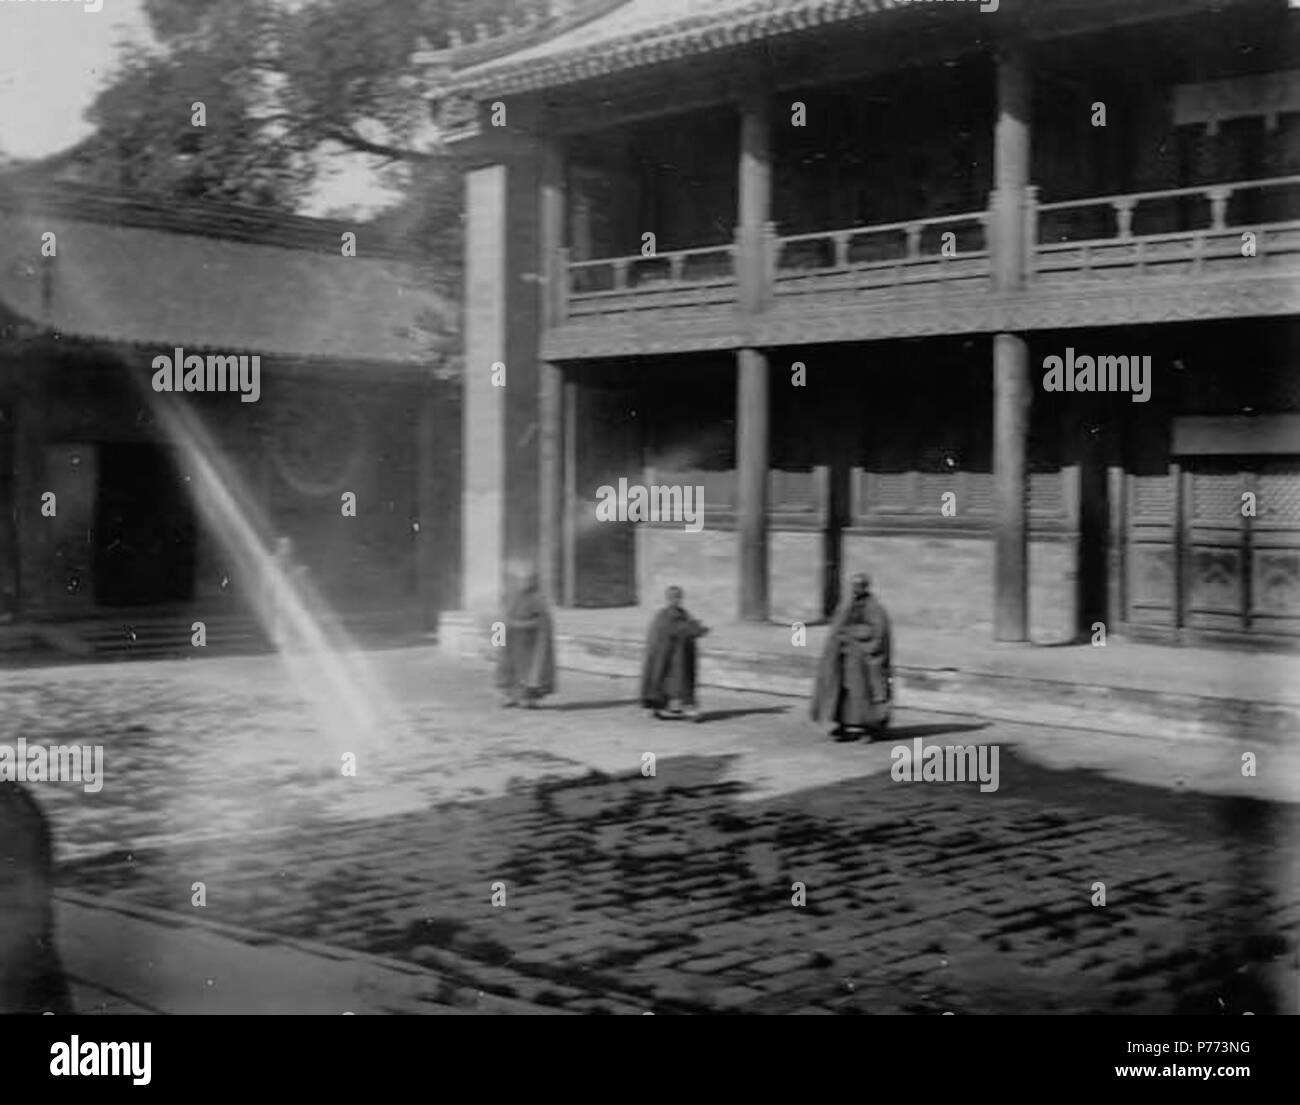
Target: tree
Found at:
x=145, y=138
x=289, y=90
x=287, y=87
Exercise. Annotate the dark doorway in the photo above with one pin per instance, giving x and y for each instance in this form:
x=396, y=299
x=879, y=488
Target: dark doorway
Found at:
x=1094, y=531
x=606, y=447
x=144, y=528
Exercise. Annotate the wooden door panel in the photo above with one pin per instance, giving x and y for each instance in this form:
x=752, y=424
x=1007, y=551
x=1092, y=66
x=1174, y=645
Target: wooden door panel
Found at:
x=1275, y=550
x=1151, y=569
x=1215, y=563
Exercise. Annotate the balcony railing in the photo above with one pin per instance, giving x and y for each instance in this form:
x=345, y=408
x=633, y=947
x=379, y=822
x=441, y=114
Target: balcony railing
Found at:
x=890, y=256
x=1177, y=233
x=675, y=278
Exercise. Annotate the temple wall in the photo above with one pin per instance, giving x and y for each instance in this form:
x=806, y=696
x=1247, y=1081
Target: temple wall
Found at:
x=947, y=583
x=929, y=582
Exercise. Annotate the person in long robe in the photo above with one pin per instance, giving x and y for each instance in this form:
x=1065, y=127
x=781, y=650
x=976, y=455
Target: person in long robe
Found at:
x=526, y=672
x=31, y=971
x=668, y=674
x=855, y=684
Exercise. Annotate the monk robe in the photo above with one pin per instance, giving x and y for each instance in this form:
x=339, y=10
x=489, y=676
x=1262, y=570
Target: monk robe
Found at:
x=31, y=973
x=527, y=661
x=668, y=674
x=854, y=686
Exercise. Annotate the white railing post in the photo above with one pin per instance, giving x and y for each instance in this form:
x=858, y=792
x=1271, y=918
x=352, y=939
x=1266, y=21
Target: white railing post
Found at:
x=770, y=247
x=1218, y=206
x=560, y=303
x=1031, y=229
x=741, y=265
x=842, y=249
x=991, y=236
x=1124, y=216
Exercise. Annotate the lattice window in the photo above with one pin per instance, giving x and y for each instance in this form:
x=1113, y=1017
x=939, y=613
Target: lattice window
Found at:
x=981, y=493
x=1278, y=494
x=930, y=490
x=792, y=492
x=890, y=491
x=719, y=487
x=1152, y=497
x=1045, y=493
x=1216, y=496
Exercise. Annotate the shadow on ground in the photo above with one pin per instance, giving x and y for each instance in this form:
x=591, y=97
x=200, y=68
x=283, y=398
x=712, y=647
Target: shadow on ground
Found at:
x=621, y=894
x=596, y=704
x=911, y=732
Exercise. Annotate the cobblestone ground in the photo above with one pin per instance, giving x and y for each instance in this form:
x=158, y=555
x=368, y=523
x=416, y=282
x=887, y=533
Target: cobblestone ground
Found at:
x=627, y=893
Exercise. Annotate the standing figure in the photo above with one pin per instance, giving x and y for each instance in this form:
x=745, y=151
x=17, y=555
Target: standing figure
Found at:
x=668, y=675
x=526, y=672
x=31, y=972
x=855, y=683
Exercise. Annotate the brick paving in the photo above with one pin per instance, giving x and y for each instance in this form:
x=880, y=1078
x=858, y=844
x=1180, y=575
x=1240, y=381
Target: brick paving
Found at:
x=673, y=893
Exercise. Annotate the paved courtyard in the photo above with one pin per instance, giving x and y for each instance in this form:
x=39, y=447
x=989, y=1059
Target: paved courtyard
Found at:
x=628, y=893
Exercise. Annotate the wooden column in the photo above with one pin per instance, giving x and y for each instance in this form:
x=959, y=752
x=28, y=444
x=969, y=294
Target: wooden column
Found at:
x=1074, y=475
x=1012, y=393
x=1010, y=170
x=8, y=492
x=550, y=380
x=569, y=405
x=751, y=481
x=755, y=192
x=1117, y=533
x=483, y=410
x=1011, y=402
x=755, y=200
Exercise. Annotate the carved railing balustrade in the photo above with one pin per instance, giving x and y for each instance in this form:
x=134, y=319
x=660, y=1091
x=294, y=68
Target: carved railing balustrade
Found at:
x=889, y=257
x=1177, y=232
x=1182, y=234
x=681, y=277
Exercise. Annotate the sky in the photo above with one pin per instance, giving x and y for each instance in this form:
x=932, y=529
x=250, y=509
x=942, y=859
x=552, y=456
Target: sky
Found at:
x=54, y=59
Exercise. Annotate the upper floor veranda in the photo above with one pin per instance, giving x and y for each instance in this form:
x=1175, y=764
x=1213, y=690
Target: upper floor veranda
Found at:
x=945, y=175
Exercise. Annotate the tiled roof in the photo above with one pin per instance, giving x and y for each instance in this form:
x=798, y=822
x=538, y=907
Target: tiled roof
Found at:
x=647, y=32
x=162, y=288
x=52, y=188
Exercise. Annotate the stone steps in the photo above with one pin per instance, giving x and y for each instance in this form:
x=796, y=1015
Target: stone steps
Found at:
x=122, y=635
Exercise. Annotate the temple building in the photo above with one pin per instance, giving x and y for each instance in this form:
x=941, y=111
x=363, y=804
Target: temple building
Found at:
x=817, y=256
x=102, y=523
